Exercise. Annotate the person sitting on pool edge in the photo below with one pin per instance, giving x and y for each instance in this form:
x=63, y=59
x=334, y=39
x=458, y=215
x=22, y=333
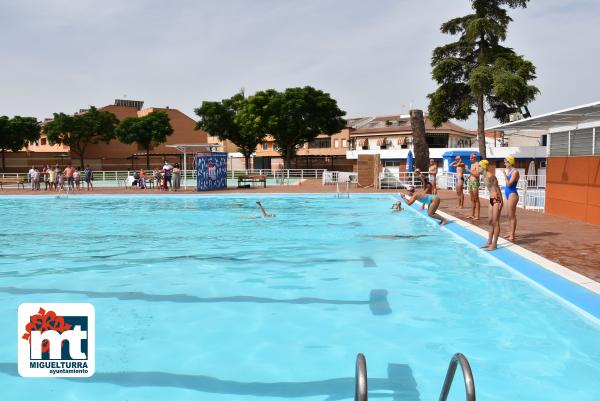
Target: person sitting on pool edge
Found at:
x=432, y=200
x=264, y=212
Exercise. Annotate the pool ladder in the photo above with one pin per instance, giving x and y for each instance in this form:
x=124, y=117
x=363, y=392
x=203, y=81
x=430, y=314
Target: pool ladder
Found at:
x=361, y=392
x=343, y=194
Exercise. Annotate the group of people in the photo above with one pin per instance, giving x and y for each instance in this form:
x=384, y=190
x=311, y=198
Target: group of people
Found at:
x=166, y=178
x=57, y=179
x=496, y=200
x=427, y=195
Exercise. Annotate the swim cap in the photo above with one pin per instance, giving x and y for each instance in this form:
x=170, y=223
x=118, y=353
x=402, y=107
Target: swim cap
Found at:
x=410, y=188
x=484, y=164
x=473, y=156
x=510, y=159
x=457, y=158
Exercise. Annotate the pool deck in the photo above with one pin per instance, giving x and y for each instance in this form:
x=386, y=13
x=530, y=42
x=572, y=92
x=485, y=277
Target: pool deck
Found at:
x=570, y=243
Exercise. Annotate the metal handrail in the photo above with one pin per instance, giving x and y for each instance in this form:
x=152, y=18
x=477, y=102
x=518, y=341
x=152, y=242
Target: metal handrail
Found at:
x=467, y=375
x=361, y=390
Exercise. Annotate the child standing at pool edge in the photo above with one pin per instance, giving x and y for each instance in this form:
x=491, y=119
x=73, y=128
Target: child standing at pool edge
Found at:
x=495, y=207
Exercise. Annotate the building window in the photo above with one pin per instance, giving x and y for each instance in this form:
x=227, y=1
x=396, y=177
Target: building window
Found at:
x=265, y=146
x=438, y=141
x=559, y=144
x=344, y=143
x=43, y=141
x=336, y=143
x=320, y=143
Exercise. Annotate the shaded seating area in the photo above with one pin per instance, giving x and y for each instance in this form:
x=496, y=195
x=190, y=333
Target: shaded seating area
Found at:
x=246, y=181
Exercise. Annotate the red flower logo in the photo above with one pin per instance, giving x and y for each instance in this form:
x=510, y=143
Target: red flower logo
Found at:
x=44, y=321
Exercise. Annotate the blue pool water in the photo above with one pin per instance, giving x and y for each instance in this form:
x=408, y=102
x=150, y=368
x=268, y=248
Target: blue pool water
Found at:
x=194, y=301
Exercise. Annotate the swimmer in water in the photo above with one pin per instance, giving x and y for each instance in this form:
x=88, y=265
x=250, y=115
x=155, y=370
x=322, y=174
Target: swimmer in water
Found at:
x=264, y=212
x=397, y=206
x=395, y=236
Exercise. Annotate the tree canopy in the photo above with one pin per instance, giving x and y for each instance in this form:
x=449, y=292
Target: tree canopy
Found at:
x=147, y=131
x=298, y=115
x=233, y=119
x=16, y=133
x=476, y=72
x=80, y=130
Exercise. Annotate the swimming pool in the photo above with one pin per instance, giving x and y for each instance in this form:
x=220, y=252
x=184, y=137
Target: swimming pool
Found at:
x=196, y=302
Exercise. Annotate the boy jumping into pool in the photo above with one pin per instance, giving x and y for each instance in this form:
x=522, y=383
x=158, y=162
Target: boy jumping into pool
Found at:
x=431, y=200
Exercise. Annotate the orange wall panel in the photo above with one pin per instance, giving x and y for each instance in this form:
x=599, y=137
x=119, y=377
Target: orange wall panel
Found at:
x=593, y=214
x=573, y=188
x=563, y=208
x=593, y=196
x=555, y=169
x=594, y=169
x=568, y=192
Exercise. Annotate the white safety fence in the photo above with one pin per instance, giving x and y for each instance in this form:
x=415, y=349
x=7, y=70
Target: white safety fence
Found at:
x=394, y=179
x=531, y=188
x=334, y=177
x=281, y=174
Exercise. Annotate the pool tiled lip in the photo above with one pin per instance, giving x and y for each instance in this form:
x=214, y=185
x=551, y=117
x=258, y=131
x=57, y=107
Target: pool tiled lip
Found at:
x=576, y=289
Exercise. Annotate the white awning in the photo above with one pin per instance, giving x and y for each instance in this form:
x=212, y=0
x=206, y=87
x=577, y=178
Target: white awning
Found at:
x=573, y=116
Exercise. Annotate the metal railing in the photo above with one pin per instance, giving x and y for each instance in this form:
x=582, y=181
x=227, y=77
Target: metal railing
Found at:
x=283, y=175
x=390, y=179
x=531, y=188
x=459, y=358
x=361, y=388
x=280, y=173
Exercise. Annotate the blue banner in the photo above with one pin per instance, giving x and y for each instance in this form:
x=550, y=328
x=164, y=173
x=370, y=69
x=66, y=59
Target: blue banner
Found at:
x=211, y=169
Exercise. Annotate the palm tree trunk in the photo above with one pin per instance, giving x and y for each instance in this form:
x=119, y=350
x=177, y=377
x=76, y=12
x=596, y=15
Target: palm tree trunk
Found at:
x=421, y=149
x=3, y=161
x=481, y=127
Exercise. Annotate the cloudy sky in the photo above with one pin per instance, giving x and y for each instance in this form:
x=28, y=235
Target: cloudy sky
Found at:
x=372, y=56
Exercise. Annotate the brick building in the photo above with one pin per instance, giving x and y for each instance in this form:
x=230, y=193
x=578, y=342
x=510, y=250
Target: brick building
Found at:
x=116, y=155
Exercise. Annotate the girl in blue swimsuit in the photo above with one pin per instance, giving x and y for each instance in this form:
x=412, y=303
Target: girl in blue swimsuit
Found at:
x=511, y=175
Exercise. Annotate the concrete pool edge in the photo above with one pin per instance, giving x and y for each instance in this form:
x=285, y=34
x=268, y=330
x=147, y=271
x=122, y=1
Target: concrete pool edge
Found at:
x=572, y=287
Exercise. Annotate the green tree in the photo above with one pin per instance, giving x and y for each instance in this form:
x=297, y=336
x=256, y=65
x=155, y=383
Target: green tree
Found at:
x=16, y=133
x=233, y=119
x=147, y=131
x=477, y=70
x=297, y=116
x=80, y=130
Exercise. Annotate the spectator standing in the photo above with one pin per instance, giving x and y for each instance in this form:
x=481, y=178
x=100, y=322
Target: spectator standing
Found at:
x=69, y=175
x=176, y=177
x=87, y=176
x=77, y=178
x=30, y=174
